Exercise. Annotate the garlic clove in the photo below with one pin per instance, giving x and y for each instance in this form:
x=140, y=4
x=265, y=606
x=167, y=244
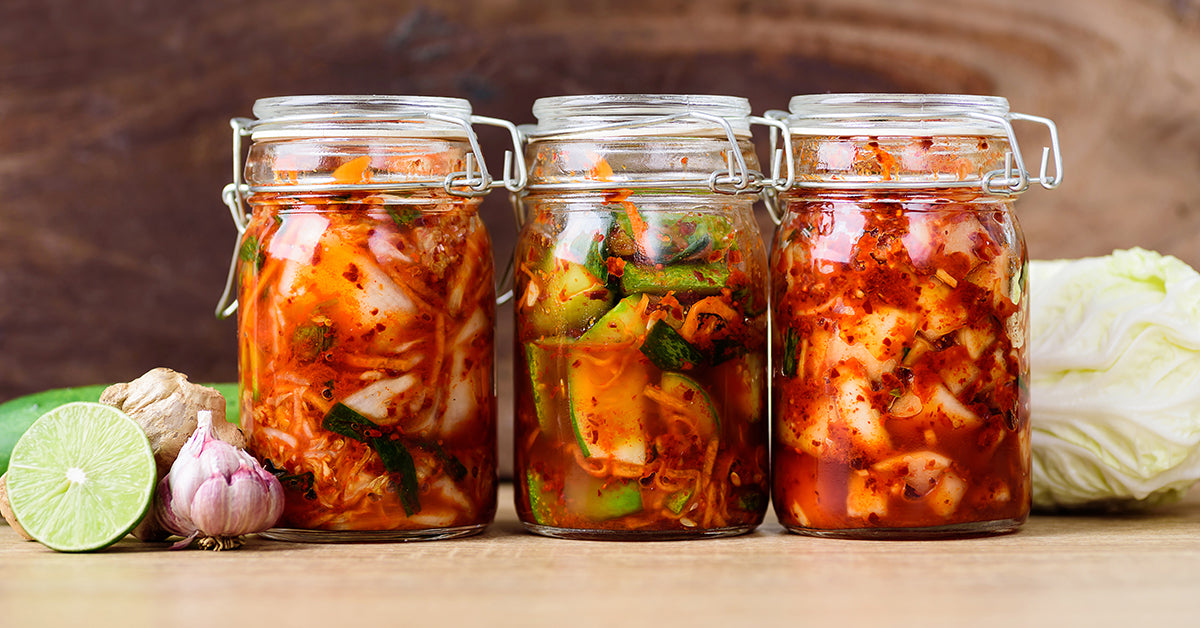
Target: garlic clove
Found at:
x=169, y=517
x=249, y=493
x=214, y=510
x=219, y=458
x=274, y=499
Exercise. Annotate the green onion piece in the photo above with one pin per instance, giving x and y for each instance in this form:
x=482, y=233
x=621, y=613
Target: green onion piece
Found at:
x=344, y=421
x=790, y=342
x=396, y=459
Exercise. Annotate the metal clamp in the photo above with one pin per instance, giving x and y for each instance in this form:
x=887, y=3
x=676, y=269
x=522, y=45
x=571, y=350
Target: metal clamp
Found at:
x=516, y=174
x=1012, y=179
x=779, y=129
x=1044, y=179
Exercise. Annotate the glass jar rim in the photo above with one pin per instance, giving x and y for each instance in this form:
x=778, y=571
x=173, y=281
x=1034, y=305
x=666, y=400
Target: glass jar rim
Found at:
x=897, y=114
x=359, y=115
x=636, y=114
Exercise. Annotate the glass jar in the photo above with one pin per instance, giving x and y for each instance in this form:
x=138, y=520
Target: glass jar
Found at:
x=899, y=318
x=641, y=313
x=366, y=314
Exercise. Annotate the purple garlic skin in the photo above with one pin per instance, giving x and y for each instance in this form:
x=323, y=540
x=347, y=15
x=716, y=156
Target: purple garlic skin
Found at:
x=216, y=491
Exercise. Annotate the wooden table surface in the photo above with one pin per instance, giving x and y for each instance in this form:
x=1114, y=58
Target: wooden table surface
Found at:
x=1062, y=571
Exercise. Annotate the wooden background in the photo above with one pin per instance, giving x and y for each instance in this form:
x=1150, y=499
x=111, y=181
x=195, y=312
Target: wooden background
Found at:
x=114, y=141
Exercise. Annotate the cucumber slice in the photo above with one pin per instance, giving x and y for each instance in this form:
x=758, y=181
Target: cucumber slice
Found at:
x=545, y=359
x=677, y=500
x=572, y=298
x=697, y=279
x=582, y=241
x=668, y=350
x=598, y=499
x=625, y=322
x=540, y=501
x=583, y=496
x=674, y=236
x=605, y=384
x=743, y=382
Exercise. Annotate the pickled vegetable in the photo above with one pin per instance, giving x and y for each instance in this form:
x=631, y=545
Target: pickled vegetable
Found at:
x=899, y=372
x=640, y=399
x=366, y=350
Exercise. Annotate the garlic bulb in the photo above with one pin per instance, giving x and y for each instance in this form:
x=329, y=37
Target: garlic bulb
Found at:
x=216, y=492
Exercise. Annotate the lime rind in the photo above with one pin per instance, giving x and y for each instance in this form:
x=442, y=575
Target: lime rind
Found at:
x=81, y=477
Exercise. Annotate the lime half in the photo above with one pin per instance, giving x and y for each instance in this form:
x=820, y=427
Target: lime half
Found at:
x=81, y=477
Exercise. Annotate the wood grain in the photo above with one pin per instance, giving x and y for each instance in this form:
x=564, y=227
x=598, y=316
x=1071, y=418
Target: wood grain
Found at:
x=1056, y=571
x=114, y=140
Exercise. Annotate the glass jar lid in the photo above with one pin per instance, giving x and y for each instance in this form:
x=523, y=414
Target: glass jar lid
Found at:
x=919, y=115
x=638, y=115
x=360, y=116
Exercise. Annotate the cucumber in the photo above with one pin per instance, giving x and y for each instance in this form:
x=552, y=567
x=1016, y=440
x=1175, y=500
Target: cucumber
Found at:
x=598, y=499
x=668, y=350
x=572, y=298
x=625, y=322
x=605, y=384
x=697, y=279
x=675, y=236
x=684, y=395
x=583, y=496
x=583, y=241
x=677, y=500
x=545, y=359
x=539, y=499
x=16, y=415
x=743, y=383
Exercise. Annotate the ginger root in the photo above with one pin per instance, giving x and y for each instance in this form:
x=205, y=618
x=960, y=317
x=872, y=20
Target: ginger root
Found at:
x=164, y=403
x=7, y=512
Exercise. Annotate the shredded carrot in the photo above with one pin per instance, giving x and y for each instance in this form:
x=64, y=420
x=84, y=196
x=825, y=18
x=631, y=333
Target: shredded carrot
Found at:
x=640, y=230
x=357, y=170
x=601, y=171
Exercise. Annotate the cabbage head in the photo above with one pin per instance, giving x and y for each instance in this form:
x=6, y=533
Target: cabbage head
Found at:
x=1115, y=380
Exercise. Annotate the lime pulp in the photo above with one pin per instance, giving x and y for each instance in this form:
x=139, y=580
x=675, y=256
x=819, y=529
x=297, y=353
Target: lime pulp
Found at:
x=81, y=477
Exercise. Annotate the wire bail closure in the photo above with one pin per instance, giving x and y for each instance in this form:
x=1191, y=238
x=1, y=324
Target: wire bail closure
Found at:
x=473, y=181
x=1013, y=179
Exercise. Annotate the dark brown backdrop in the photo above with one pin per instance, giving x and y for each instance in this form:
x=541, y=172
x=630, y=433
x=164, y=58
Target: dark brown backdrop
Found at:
x=114, y=142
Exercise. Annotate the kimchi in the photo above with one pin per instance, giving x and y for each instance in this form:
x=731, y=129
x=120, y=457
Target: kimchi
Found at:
x=366, y=339
x=900, y=400
x=641, y=370
x=901, y=404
